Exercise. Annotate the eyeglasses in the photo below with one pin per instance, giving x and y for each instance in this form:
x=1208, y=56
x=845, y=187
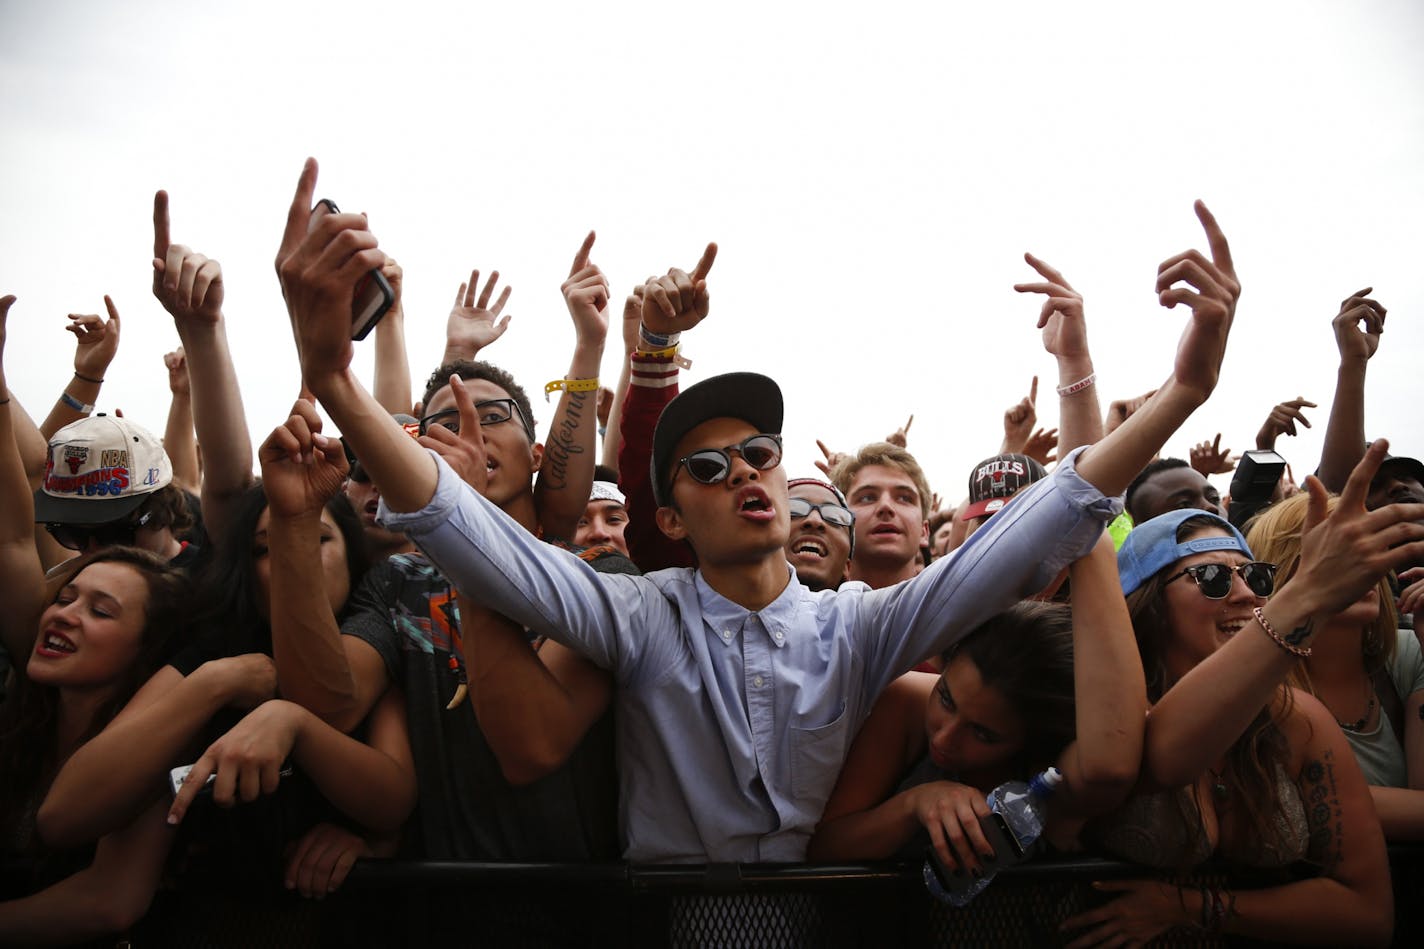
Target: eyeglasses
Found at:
x=1214, y=579
x=712, y=465
x=830, y=511
x=491, y=412
x=114, y=534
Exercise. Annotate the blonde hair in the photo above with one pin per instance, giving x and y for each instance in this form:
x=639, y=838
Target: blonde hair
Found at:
x=889, y=456
x=1275, y=536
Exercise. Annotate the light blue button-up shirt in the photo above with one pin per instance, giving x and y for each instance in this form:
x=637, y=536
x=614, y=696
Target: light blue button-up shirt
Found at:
x=733, y=724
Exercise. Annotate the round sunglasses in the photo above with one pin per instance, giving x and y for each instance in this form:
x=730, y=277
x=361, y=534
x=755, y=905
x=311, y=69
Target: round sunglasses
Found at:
x=830, y=511
x=712, y=465
x=1214, y=579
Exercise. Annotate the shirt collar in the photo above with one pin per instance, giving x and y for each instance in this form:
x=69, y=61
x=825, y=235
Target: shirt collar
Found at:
x=726, y=617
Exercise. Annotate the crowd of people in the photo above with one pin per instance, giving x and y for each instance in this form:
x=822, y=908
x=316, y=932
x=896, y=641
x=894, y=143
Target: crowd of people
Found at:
x=639, y=637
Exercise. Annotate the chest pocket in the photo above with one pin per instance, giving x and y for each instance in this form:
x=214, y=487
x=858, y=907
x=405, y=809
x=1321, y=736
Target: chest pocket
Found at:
x=816, y=757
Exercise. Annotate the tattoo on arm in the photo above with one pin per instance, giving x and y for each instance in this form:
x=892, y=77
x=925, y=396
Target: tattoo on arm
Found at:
x=563, y=443
x=1323, y=810
x=1301, y=633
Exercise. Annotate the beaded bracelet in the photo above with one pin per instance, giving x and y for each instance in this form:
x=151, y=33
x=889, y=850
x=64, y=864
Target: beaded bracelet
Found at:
x=1301, y=652
x=570, y=385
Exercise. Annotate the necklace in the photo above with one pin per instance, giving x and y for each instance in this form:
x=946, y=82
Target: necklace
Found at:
x=1360, y=723
x=1218, y=786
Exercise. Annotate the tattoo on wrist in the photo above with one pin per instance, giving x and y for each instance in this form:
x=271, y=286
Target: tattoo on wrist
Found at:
x=1301, y=633
x=563, y=443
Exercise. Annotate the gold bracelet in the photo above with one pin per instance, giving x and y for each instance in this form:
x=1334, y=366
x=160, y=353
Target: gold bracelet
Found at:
x=1300, y=652
x=570, y=385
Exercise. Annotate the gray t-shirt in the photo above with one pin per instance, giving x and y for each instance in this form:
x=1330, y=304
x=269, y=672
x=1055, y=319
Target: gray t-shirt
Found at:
x=1379, y=751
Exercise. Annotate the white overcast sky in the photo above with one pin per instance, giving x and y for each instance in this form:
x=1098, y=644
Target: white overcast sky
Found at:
x=872, y=172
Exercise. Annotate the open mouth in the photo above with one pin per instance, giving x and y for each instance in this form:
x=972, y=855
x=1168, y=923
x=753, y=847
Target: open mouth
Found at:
x=1231, y=627
x=810, y=546
x=889, y=530
x=754, y=505
x=54, y=644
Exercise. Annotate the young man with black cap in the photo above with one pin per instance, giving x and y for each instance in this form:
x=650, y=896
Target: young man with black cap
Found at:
x=994, y=481
x=739, y=691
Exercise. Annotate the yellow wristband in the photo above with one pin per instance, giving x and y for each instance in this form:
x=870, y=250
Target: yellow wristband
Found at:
x=671, y=353
x=570, y=385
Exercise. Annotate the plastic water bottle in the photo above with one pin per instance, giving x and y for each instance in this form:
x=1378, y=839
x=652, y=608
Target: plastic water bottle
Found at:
x=1017, y=812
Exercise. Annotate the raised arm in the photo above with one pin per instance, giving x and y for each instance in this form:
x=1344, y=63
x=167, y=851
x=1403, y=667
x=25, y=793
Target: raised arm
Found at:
x=21, y=576
x=302, y=469
x=190, y=287
x=1343, y=554
x=96, y=343
x=1281, y=421
x=1065, y=337
x=1019, y=420
x=391, y=385
x=1211, y=291
x=474, y=324
x=1100, y=767
x=565, y=478
x=178, y=439
x=1358, y=327
x=613, y=437
x=666, y=311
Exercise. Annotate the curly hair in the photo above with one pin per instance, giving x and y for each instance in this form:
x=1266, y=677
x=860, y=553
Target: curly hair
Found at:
x=467, y=370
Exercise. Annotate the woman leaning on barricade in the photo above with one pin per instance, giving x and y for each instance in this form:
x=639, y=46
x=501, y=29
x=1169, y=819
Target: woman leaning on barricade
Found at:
x=1237, y=766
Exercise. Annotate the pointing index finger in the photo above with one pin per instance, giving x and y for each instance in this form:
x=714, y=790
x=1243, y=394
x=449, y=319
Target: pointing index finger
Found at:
x=160, y=224
x=581, y=258
x=1216, y=240
x=299, y=214
x=704, y=266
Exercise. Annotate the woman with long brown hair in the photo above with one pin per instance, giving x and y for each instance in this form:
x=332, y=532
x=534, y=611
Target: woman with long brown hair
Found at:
x=1235, y=764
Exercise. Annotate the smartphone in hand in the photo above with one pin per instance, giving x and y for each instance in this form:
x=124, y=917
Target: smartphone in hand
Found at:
x=373, y=296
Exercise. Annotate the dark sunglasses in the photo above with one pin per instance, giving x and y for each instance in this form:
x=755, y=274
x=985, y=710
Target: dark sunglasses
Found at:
x=491, y=412
x=1214, y=579
x=114, y=534
x=712, y=465
x=830, y=511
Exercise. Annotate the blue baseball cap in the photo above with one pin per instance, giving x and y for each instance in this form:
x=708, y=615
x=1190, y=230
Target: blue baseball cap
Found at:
x=1153, y=544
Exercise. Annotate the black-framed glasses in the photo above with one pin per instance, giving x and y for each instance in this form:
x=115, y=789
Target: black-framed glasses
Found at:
x=712, y=465
x=1214, y=579
x=490, y=412
x=113, y=534
x=831, y=512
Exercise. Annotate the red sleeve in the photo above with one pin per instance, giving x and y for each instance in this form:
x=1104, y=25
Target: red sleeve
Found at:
x=653, y=385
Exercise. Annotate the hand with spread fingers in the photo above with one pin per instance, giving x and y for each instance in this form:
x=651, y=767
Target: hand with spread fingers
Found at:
x=1282, y=421
x=1210, y=288
x=1145, y=910
x=679, y=300
x=1065, y=333
x=1042, y=446
x=1210, y=458
x=97, y=341
x=302, y=469
x=827, y=463
x=474, y=323
x=1358, y=326
x=318, y=863
x=189, y=285
x=319, y=264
